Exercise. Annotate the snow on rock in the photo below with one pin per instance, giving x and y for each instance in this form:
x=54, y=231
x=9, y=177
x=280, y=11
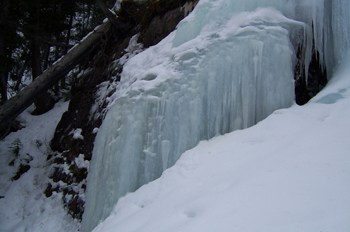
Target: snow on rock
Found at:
x=133, y=49
x=77, y=134
x=81, y=162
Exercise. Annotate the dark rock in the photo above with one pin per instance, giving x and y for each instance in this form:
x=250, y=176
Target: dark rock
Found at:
x=48, y=191
x=43, y=104
x=58, y=160
x=160, y=27
x=79, y=174
x=49, y=156
x=76, y=207
x=162, y=18
x=60, y=142
x=13, y=127
x=60, y=175
x=305, y=89
x=22, y=169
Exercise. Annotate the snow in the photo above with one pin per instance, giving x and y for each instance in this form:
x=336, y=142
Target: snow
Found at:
x=228, y=65
x=81, y=162
x=24, y=206
x=133, y=49
x=290, y=172
x=77, y=134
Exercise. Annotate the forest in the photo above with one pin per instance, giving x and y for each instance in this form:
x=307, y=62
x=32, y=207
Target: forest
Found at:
x=35, y=34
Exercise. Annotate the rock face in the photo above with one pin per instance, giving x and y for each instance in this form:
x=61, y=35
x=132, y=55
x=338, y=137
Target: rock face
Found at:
x=161, y=25
x=306, y=88
x=154, y=20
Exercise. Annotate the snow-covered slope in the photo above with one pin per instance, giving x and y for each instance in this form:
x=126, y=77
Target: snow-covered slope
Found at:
x=23, y=206
x=290, y=172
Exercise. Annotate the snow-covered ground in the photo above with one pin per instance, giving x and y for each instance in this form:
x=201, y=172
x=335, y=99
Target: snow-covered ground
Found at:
x=23, y=206
x=290, y=172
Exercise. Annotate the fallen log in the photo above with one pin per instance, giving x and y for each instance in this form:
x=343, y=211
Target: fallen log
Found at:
x=17, y=104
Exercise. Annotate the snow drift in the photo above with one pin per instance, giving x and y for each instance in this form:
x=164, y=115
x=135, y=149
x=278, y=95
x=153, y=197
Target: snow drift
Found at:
x=290, y=172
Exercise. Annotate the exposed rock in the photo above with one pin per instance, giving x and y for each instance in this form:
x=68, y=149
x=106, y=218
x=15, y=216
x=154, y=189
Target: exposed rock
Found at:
x=60, y=175
x=13, y=127
x=43, y=104
x=76, y=207
x=164, y=21
x=23, y=168
x=161, y=26
x=306, y=88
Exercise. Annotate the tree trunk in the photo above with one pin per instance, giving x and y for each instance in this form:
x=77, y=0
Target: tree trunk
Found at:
x=16, y=105
x=46, y=56
x=3, y=70
x=3, y=56
x=20, y=75
x=63, y=80
x=44, y=101
x=3, y=85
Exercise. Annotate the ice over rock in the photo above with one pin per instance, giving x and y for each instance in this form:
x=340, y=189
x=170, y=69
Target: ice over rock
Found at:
x=228, y=65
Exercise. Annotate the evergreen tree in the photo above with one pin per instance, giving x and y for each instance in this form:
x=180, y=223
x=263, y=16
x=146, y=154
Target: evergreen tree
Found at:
x=34, y=34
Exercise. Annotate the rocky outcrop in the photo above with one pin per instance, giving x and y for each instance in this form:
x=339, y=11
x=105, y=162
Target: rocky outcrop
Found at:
x=164, y=22
x=308, y=87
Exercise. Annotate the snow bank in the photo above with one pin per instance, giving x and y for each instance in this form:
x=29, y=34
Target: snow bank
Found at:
x=290, y=172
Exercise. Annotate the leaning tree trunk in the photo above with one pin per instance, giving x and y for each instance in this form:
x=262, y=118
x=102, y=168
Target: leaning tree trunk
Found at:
x=16, y=105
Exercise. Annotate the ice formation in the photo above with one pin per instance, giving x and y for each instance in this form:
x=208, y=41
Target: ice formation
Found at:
x=228, y=65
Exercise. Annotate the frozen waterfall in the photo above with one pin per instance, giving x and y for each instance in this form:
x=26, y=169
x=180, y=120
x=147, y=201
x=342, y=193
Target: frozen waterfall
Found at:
x=228, y=65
